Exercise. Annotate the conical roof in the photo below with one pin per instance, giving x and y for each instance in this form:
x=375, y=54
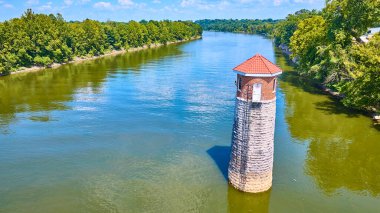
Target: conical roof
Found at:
x=258, y=65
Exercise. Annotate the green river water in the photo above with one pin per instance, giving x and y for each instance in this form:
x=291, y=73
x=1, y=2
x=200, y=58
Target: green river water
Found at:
x=150, y=132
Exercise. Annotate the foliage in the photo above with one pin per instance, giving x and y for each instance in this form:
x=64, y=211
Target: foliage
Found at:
x=328, y=47
x=254, y=26
x=305, y=40
x=42, y=61
x=286, y=28
x=349, y=19
x=280, y=30
x=363, y=88
x=38, y=39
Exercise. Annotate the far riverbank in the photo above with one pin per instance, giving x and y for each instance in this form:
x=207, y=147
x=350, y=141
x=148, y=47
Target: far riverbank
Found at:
x=87, y=58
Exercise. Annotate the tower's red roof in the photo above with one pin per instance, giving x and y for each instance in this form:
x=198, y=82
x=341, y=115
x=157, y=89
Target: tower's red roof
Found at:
x=258, y=64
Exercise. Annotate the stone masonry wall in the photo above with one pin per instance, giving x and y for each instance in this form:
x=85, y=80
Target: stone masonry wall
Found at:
x=251, y=163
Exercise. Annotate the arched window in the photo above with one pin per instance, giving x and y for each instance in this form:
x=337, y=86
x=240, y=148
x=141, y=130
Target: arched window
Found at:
x=274, y=85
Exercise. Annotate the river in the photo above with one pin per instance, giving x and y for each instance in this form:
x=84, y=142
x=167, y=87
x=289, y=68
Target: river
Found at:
x=150, y=132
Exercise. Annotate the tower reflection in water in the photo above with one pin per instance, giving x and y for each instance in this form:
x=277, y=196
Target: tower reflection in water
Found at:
x=247, y=202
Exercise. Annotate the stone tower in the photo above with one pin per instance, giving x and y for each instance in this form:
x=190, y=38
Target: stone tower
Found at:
x=251, y=163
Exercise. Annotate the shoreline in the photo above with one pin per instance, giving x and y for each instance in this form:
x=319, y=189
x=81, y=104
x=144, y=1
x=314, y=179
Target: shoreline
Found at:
x=286, y=52
x=88, y=58
x=372, y=113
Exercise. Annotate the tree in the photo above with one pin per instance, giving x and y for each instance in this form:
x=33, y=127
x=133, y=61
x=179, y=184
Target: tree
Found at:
x=136, y=34
x=153, y=32
x=38, y=39
x=285, y=29
x=363, y=89
x=255, y=26
x=328, y=49
x=306, y=40
x=349, y=19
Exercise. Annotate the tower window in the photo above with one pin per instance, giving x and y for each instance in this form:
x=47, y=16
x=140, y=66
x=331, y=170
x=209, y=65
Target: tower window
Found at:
x=239, y=83
x=274, y=85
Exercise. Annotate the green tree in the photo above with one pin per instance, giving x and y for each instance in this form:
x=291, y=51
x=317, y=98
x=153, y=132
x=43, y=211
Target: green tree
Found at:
x=363, y=89
x=329, y=49
x=306, y=42
x=39, y=39
x=285, y=29
x=153, y=32
x=349, y=19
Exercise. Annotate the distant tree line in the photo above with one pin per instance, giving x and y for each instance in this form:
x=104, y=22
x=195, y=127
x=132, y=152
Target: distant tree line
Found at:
x=39, y=39
x=327, y=46
x=254, y=26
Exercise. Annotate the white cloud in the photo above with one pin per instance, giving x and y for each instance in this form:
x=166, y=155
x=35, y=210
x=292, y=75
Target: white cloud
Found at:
x=79, y=2
x=7, y=5
x=186, y=3
x=122, y=4
x=32, y=2
x=68, y=2
x=223, y=4
x=76, y=2
x=168, y=9
x=306, y=1
x=279, y=2
x=203, y=5
x=103, y=5
x=126, y=2
x=47, y=6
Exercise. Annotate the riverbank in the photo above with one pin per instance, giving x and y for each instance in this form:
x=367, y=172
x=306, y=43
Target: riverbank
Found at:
x=286, y=51
x=368, y=112
x=87, y=58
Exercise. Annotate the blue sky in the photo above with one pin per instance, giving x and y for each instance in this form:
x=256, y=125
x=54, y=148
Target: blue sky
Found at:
x=125, y=10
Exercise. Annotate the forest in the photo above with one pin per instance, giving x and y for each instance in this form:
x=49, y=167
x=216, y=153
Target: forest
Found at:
x=327, y=47
x=41, y=40
x=256, y=26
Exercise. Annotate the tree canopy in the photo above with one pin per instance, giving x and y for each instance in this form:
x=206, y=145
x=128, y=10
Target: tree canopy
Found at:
x=328, y=48
x=255, y=26
x=39, y=39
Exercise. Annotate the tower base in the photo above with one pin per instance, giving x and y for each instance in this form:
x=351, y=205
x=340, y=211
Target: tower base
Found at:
x=251, y=162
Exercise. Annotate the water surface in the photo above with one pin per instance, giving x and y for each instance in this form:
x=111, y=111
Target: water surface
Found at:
x=150, y=132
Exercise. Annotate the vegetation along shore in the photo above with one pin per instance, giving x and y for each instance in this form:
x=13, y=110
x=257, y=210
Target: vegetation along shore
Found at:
x=89, y=57
x=35, y=41
x=328, y=46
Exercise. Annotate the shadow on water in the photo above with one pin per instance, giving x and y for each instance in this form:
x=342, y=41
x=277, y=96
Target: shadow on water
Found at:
x=238, y=201
x=333, y=106
x=221, y=157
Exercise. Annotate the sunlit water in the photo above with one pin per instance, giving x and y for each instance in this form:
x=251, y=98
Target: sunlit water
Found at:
x=150, y=132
